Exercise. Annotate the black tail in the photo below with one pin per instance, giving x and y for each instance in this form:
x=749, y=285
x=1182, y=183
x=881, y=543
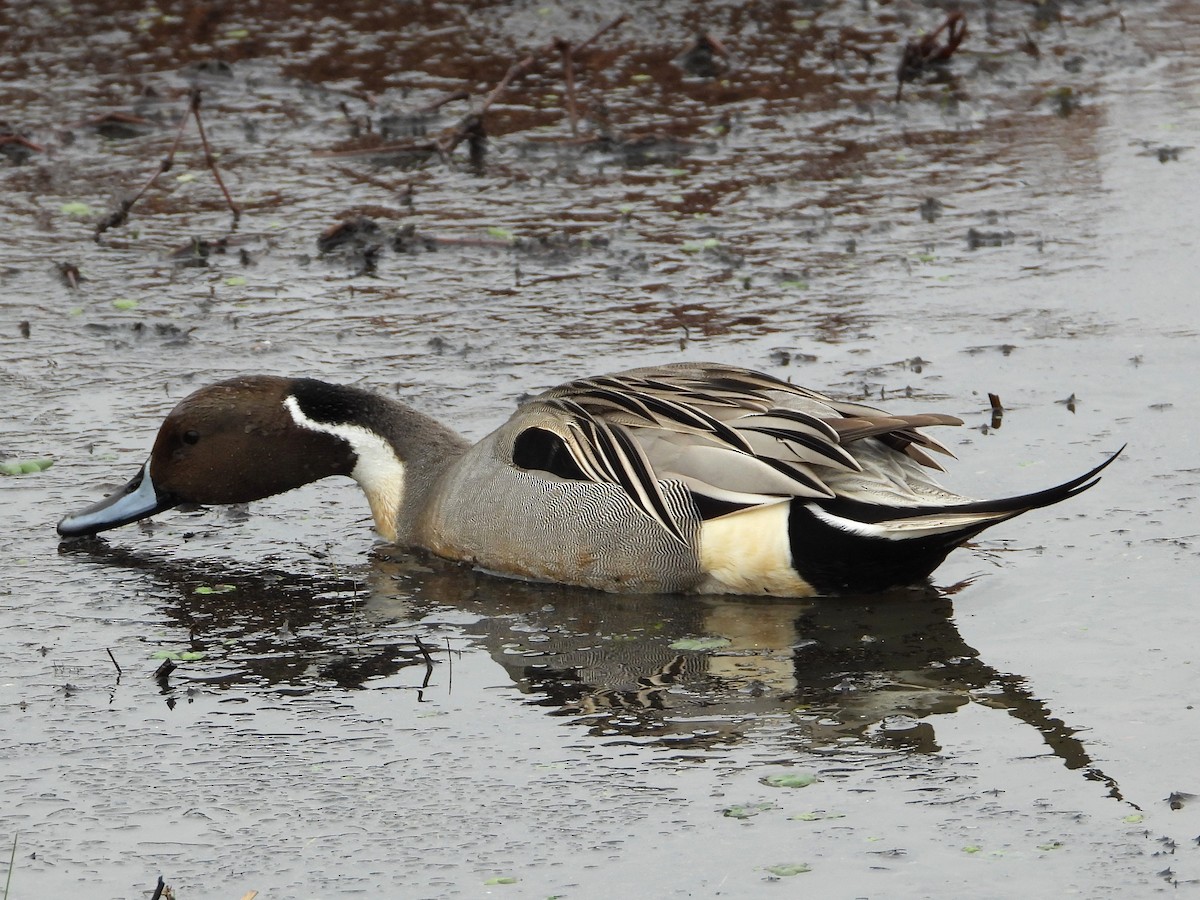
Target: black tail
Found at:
x=872, y=512
x=1025, y=502
x=835, y=557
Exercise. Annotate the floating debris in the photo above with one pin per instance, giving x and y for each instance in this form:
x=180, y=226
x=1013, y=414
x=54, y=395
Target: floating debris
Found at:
x=747, y=811
x=931, y=209
x=925, y=51
x=705, y=58
x=1177, y=799
x=700, y=643
x=25, y=466
x=786, y=870
x=817, y=815
x=977, y=238
x=790, y=780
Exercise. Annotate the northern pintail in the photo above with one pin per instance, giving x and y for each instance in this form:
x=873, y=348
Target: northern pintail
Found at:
x=687, y=478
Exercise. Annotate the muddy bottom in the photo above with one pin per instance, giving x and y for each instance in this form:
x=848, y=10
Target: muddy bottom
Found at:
x=344, y=718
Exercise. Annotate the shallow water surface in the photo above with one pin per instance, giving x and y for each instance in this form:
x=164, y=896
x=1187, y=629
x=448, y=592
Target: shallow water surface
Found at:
x=344, y=718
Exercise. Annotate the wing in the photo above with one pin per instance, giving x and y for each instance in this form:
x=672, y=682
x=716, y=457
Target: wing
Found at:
x=736, y=438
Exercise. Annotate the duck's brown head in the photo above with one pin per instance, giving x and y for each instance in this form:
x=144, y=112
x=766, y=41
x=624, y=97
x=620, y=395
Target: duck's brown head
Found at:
x=233, y=442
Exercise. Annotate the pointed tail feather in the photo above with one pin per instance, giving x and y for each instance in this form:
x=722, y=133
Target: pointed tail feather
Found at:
x=966, y=519
x=841, y=545
x=1023, y=502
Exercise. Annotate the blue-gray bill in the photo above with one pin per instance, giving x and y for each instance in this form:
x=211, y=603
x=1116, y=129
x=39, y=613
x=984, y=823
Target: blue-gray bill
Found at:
x=136, y=500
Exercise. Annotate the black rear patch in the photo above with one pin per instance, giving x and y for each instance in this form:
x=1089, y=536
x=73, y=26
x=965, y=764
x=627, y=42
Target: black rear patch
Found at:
x=544, y=451
x=839, y=562
x=711, y=508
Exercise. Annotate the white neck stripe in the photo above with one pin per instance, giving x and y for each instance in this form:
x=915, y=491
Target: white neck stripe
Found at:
x=378, y=470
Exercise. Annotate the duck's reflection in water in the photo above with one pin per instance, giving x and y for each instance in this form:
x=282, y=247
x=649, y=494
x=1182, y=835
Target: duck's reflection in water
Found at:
x=875, y=669
x=683, y=672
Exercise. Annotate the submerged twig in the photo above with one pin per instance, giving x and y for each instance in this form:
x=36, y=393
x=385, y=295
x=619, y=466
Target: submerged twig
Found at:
x=22, y=141
x=158, y=890
x=515, y=71
x=69, y=272
x=209, y=159
x=12, y=861
x=434, y=105
x=114, y=662
x=997, y=409
x=428, y=661
x=600, y=33
x=569, y=52
x=120, y=215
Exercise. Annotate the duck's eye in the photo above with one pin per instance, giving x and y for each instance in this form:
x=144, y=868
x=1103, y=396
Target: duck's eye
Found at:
x=191, y=437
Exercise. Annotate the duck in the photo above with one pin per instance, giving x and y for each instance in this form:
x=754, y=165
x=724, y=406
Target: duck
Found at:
x=686, y=478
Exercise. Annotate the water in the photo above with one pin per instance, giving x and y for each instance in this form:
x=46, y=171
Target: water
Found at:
x=1019, y=729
